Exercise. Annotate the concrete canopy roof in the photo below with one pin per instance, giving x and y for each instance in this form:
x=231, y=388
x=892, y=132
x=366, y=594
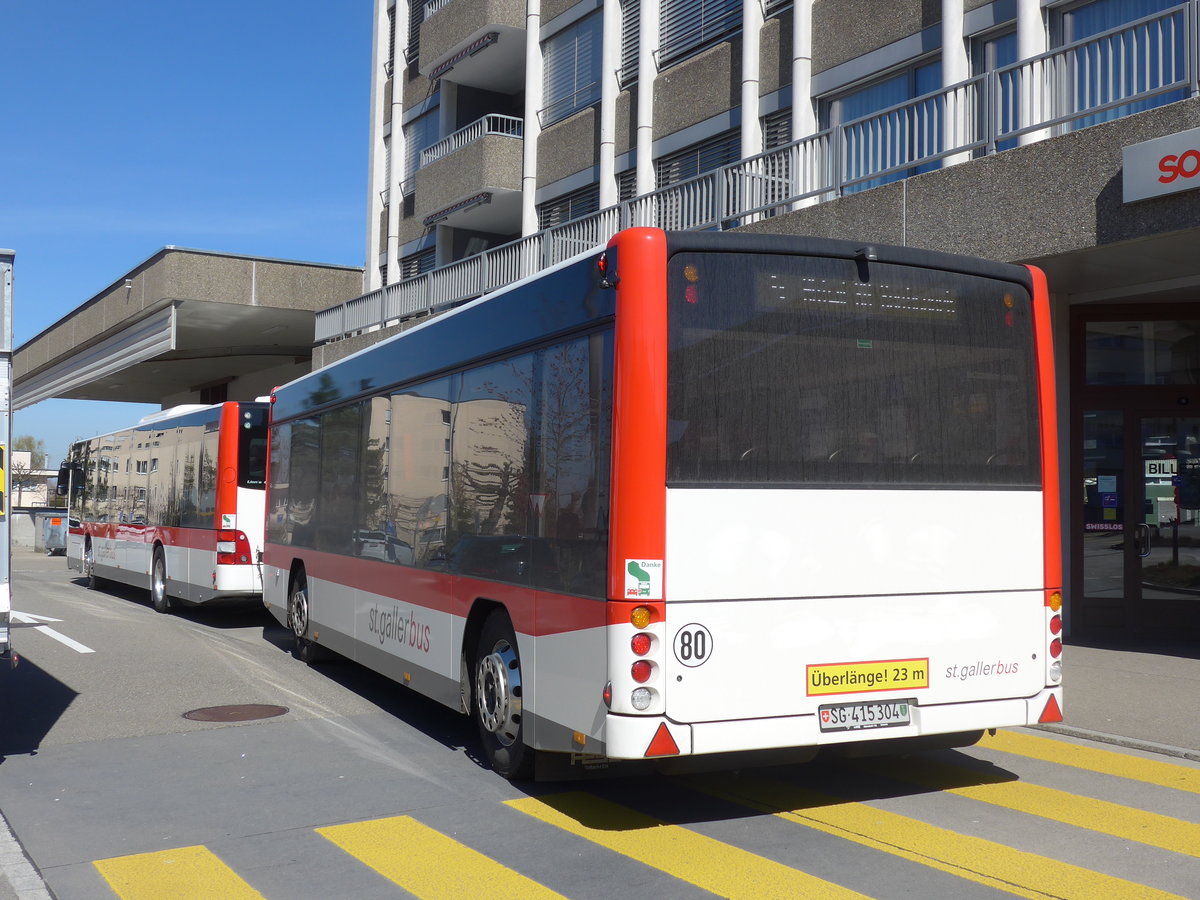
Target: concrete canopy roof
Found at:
x=182, y=320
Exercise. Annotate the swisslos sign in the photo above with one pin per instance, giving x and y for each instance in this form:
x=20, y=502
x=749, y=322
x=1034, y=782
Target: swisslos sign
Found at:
x=1165, y=165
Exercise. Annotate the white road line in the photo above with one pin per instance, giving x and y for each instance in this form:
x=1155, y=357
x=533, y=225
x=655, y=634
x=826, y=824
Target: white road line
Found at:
x=30, y=619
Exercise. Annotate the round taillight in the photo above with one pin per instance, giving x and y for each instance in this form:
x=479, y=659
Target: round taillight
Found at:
x=640, y=671
x=1056, y=624
x=640, y=616
x=640, y=644
x=607, y=695
x=641, y=698
x=1056, y=648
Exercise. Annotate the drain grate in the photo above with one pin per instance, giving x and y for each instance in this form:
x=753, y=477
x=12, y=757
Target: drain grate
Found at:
x=244, y=712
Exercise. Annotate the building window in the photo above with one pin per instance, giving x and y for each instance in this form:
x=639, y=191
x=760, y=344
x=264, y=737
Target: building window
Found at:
x=686, y=26
x=571, y=79
x=631, y=11
x=777, y=128
x=416, y=15
x=420, y=133
x=991, y=53
x=883, y=131
x=417, y=263
x=569, y=207
x=1132, y=62
x=697, y=159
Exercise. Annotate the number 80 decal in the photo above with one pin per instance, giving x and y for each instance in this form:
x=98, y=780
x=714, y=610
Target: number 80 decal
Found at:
x=693, y=645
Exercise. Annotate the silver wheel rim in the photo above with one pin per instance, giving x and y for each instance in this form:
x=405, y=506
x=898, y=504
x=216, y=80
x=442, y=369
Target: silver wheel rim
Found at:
x=298, y=612
x=89, y=561
x=498, y=692
x=159, y=584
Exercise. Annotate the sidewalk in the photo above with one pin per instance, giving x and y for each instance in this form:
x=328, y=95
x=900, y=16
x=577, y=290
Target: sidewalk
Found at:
x=1146, y=698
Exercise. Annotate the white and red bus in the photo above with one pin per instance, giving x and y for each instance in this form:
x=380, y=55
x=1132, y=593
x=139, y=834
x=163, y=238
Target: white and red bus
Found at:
x=698, y=494
x=173, y=504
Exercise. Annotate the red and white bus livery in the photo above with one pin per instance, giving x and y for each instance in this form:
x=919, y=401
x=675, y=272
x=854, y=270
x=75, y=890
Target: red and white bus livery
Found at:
x=173, y=504
x=697, y=494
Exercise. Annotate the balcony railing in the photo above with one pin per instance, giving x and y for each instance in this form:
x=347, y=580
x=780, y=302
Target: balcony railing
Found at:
x=1104, y=77
x=509, y=126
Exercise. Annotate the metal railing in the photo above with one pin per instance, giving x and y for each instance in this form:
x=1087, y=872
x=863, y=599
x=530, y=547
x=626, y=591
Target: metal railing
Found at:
x=1104, y=77
x=493, y=123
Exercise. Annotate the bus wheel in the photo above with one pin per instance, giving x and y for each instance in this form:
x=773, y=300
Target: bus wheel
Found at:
x=89, y=567
x=297, y=616
x=498, y=703
x=158, y=582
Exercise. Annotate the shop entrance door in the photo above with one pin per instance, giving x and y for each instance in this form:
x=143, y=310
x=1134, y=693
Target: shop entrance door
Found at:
x=1135, y=523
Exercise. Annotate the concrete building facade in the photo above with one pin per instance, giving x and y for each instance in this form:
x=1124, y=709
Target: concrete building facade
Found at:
x=507, y=135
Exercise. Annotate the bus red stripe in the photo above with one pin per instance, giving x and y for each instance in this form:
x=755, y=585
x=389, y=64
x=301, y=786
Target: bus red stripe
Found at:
x=227, y=461
x=639, y=456
x=1048, y=416
x=532, y=611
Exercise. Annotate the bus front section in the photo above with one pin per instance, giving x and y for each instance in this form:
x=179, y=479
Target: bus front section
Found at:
x=850, y=535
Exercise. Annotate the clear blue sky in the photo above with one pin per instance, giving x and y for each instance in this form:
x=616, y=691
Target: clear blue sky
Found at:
x=232, y=125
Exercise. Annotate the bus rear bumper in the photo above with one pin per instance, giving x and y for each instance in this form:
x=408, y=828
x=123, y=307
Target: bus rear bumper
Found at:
x=650, y=737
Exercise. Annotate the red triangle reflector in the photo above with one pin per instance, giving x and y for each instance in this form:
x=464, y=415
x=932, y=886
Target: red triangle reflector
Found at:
x=1051, y=713
x=662, y=744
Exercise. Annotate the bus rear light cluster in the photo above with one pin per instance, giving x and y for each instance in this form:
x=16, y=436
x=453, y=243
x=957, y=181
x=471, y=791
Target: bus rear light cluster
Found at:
x=233, y=548
x=1054, y=646
x=639, y=623
x=641, y=671
x=640, y=644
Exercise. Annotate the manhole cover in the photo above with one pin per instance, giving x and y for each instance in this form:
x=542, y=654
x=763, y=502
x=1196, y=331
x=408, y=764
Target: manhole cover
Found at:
x=244, y=712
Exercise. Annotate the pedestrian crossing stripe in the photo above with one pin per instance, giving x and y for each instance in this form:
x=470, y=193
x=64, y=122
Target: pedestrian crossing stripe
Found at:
x=428, y=864
x=976, y=859
x=185, y=873
x=705, y=862
x=1093, y=759
x=1101, y=816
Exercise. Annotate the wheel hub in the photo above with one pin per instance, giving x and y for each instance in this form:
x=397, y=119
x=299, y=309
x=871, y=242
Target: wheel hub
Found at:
x=498, y=693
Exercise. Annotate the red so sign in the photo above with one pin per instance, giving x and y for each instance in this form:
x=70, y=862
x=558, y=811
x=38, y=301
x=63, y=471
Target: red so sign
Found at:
x=1165, y=165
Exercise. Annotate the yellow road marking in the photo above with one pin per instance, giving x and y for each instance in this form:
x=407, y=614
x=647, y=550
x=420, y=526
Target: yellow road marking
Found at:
x=178, y=874
x=969, y=857
x=703, y=861
x=1153, y=829
x=429, y=864
x=1094, y=759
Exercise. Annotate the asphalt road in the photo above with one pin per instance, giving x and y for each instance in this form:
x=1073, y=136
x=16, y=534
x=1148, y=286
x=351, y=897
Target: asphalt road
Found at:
x=363, y=790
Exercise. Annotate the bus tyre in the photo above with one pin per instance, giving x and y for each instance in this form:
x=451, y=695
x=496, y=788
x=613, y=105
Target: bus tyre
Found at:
x=498, y=699
x=297, y=616
x=89, y=567
x=158, y=582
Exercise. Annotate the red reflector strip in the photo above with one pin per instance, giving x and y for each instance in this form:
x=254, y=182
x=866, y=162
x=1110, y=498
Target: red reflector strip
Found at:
x=662, y=744
x=1052, y=712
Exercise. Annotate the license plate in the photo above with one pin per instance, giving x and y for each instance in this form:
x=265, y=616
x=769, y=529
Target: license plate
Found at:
x=871, y=714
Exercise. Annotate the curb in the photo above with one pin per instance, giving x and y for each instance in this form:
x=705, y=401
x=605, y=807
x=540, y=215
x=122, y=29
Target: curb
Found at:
x=17, y=869
x=1122, y=741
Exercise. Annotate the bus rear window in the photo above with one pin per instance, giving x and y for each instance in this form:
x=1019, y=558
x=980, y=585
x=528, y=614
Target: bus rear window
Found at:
x=252, y=447
x=789, y=370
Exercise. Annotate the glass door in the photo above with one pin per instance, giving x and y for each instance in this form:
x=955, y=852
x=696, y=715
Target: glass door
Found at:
x=1167, y=534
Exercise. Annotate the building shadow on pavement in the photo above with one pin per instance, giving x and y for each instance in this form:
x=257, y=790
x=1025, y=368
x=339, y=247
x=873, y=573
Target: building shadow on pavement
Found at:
x=31, y=702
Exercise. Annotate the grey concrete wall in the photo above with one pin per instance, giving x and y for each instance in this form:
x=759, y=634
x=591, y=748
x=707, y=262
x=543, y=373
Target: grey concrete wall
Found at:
x=699, y=88
x=775, y=53
x=1053, y=197
x=491, y=163
x=569, y=146
x=457, y=21
x=189, y=275
x=846, y=29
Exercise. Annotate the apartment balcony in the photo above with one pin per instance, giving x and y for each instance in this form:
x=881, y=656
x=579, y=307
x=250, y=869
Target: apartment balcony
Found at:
x=480, y=43
x=472, y=178
x=1105, y=78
